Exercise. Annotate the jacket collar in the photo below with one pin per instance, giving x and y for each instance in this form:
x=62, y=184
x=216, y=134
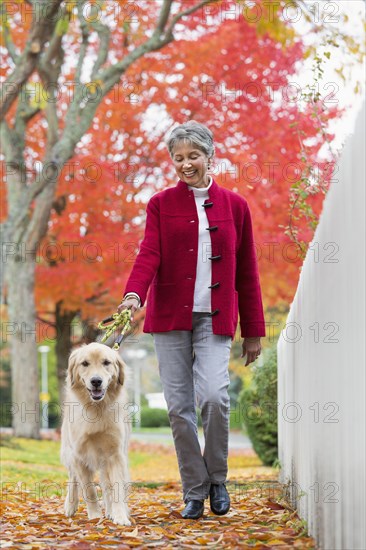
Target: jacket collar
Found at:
x=213, y=190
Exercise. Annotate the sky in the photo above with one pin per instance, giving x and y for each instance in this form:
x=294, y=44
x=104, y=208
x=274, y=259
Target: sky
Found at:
x=343, y=91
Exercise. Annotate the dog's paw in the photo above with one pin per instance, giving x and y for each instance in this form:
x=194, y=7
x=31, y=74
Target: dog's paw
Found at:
x=94, y=514
x=70, y=508
x=121, y=519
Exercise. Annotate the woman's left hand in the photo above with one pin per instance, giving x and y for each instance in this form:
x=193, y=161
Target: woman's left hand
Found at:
x=252, y=348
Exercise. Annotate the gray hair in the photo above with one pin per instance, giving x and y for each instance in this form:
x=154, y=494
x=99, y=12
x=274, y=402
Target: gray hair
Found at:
x=194, y=133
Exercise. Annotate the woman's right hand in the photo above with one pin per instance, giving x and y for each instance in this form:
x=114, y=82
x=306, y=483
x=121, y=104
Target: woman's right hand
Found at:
x=129, y=303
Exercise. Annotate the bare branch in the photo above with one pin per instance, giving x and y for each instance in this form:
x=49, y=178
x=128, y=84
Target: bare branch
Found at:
x=104, y=37
x=49, y=69
x=29, y=113
x=176, y=18
x=163, y=18
x=42, y=27
x=53, y=50
x=24, y=113
x=73, y=113
x=7, y=140
x=84, y=43
x=45, y=321
x=9, y=44
x=95, y=297
x=104, y=34
x=159, y=38
x=38, y=222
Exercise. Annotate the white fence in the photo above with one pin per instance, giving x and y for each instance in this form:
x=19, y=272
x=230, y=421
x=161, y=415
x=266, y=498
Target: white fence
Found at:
x=321, y=366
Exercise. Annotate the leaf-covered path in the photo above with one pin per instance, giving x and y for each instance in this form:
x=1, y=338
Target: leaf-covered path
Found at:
x=259, y=516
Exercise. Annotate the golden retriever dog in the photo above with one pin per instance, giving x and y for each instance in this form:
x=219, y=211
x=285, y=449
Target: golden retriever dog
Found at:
x=95, y=432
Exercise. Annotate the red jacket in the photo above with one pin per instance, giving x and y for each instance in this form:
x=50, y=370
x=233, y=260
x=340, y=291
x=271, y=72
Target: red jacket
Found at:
x=166, y=264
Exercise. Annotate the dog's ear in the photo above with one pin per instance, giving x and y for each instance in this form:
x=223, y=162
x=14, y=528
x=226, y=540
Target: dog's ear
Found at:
x=70, y=379
x=120, y=370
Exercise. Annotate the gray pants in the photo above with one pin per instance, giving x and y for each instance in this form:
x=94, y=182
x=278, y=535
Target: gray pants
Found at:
x=193, y=367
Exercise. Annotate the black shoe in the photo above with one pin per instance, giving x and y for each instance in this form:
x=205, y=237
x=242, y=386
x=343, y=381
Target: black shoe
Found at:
x=219, y=499
x=193, y=510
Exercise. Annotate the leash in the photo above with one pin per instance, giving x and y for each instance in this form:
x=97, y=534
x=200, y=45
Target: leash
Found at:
x=115, y=322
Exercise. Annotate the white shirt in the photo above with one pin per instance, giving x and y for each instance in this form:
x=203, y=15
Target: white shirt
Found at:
x=202, y=294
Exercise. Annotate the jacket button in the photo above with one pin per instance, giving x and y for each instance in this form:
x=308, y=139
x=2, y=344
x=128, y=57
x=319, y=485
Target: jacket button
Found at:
x=191, y=250
x=192, y=221
x=214, y=312
x=214, y=285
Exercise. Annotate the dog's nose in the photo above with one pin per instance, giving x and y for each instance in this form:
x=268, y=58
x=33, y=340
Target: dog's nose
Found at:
x=96, y=381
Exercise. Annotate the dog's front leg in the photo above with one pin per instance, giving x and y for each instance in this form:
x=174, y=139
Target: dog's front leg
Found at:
x=72, y=496
x=114, y=470
x=107, y=491
x=85, y=476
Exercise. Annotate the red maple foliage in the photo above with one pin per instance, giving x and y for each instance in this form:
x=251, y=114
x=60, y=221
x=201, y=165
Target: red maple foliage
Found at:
x=219, y=71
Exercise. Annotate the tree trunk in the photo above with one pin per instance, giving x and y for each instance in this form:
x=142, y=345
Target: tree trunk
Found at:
x=63, y=320
x=20, y=239
x=22, y=332
x=90, y=332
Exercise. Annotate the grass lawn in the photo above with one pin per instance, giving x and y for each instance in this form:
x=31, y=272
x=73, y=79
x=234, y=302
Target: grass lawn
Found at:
x=162, y=430
x=34, y=465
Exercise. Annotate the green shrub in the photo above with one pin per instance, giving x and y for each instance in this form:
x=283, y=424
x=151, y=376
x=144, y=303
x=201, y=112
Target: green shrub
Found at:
x=144, y=401
x=5, y=388
x=235, y=387
x=258, y=403
x=154, y=418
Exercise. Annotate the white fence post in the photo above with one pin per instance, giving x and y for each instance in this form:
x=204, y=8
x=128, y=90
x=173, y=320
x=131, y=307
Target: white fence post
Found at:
x=321, y=374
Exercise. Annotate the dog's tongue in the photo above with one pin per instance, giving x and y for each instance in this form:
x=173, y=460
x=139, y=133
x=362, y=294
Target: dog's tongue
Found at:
x=97, y=394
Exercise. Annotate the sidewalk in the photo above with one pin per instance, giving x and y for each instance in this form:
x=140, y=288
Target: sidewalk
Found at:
x=237, y=440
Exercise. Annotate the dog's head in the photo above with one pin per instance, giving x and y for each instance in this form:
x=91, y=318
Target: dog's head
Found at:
x=95, y=367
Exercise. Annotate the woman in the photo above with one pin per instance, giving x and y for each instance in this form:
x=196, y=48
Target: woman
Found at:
x=198, y=261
